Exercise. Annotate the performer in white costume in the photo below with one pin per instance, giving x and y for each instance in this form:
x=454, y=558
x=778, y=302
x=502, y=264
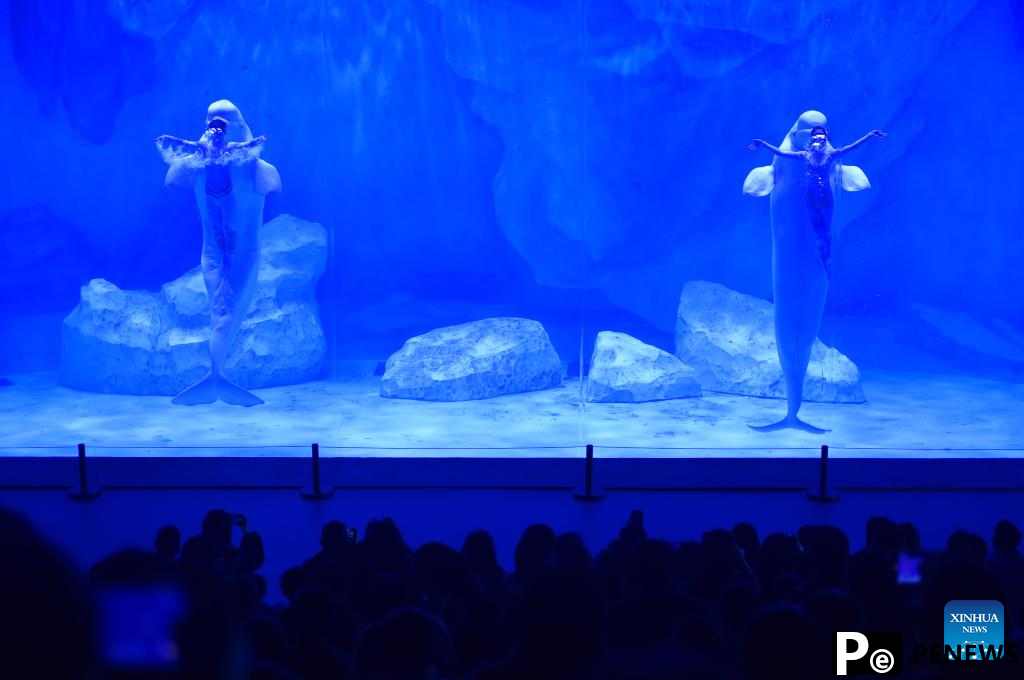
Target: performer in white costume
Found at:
x=230, y=182
x=801, y=181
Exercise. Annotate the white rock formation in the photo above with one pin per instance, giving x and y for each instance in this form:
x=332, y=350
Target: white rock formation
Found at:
x=728, y=338
x=625, y=370
x=141, y=342
x=476, y=360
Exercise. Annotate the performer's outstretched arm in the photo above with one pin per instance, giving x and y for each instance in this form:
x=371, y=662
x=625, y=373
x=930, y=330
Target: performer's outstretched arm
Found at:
x=251, y=144
x=774, y=149
x=854, y=145
x=178, y=144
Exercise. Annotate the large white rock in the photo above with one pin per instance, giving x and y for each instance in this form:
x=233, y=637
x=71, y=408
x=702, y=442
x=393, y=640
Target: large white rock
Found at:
x=625, y=370
x=475, y=360
x=728, y=338
x=142, y=342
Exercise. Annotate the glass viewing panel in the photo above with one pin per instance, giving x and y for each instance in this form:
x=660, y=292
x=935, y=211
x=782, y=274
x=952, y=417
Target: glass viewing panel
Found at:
x=502, y=225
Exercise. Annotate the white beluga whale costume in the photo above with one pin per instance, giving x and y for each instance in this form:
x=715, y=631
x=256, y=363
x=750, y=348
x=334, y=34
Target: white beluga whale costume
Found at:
x=230, y=183
x=801, y=182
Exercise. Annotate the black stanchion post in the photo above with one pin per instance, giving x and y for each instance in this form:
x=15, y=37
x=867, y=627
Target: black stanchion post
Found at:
x=316, y=492
x=84, y=492
x=823, y=493
x=588, y=492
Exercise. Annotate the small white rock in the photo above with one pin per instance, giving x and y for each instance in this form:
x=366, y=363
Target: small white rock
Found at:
x=625, y=370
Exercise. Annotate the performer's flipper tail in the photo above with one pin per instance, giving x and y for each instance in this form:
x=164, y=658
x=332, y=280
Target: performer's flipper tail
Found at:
x=203, y=392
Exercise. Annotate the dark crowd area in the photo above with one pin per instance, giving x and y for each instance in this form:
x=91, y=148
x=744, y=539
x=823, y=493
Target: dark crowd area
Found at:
x=367, y=606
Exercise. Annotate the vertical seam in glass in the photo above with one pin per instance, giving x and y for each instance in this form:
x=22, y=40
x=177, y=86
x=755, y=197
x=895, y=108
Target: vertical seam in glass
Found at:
x=582, y=396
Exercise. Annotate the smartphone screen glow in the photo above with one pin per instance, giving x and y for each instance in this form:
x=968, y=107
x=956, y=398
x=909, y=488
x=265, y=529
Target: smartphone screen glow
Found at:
x=138, y=625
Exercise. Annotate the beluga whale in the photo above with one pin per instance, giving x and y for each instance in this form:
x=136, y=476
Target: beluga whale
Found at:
x=801, y=183
x=231, y=182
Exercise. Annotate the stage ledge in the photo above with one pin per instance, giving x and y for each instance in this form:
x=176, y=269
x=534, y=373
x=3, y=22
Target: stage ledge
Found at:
x=653, y=474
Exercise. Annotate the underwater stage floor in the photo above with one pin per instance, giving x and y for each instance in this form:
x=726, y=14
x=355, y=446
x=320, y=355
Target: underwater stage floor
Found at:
x=908, y=415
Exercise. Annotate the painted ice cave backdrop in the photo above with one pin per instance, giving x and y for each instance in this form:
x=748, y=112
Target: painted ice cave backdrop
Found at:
x=559, y=178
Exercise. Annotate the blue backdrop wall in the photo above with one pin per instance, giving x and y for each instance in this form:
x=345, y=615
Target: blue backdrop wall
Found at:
x=495, y=153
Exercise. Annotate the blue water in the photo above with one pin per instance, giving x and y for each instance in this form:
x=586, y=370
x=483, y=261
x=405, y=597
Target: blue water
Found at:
x=575, y=163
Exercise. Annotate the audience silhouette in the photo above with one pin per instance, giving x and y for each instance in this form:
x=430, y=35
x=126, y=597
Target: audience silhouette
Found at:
x=729, y=606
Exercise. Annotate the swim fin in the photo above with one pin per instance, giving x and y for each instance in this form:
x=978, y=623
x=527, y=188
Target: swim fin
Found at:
x=210, y=389
x=233, y=394
x=789, y=422
x=203, y=392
